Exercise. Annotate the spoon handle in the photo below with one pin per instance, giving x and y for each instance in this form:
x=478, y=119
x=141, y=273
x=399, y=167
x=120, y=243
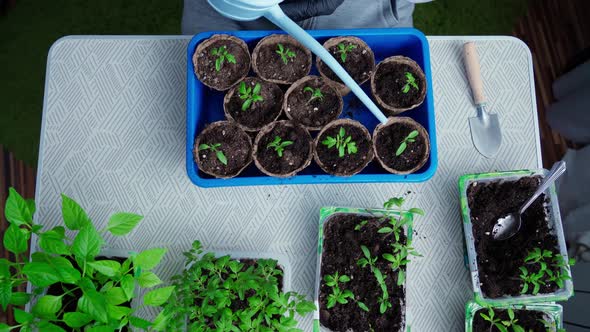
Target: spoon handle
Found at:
x=555, y=172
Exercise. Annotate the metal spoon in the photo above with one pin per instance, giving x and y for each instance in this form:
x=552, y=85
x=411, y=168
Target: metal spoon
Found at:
x=509, y=224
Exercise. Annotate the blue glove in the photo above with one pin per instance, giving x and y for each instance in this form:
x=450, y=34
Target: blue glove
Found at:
x=299, y=10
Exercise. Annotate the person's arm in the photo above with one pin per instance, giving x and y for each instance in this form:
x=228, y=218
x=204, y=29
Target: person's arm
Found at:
x=299, y=10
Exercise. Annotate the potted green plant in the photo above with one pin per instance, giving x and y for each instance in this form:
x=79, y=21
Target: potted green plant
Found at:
x=221, y=61
x=72, y=285
x=236, y=292
x=402, y=145
x=312, y=102
x=343, y=147
x=223, y=149
x=398, y=84
x=282, y=149
x=280, y=59
x=363, y=254
x=530, y=267
x=253, y=103
x=354, y=55
x=513, y=318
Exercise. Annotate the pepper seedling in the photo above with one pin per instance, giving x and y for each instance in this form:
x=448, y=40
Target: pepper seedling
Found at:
x=215, y=148
x=315, y=94
x=341, y=142
x=344, y=49
x=410, y=83
x=411, y=138
x=222, y=55
x=285, y=53
x=249, y=95
x=279, y=145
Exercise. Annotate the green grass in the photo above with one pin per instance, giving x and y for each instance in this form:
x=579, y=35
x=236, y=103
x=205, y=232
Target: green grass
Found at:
x=28, y=31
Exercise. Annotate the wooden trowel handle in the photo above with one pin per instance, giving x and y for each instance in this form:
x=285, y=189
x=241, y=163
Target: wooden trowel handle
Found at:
x=473, y=74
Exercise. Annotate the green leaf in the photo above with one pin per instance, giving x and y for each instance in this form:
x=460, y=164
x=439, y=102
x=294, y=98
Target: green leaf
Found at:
x=116, y=296
x=4, y=268
x=402, y=147
x=139, y=322
x=416, y=211
x=62, y=267
x=341, y=132
x=385, y=230
x=107, y=267
x=161, y=321
x=159, y=296
x=52, y=242
x=4, y=328
x=305, y=307
x=344, y=278
x=22, y=317
x=218, y=64
x=148, y=279
x=16, y=210
x=389, y=257
x=363, y=306
x=366, y=251
x=413, y=134
x=41, y=274
x=74, y=216
x=149, y=259
x=230, y=58
x=203, y=147
x=221, y=157
x=246, y=104
x=5, y=293
x=118, y=312
x=100, y=328
x=15, y=239
x=87, y=243
x=94, y=304
x=20, y=298
x=47, y=306
x=128, y=285
x=257, y=89
x=76, y=319
x=122, y=223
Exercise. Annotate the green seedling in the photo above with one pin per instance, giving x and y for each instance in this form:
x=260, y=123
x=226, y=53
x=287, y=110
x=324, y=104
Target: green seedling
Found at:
x=315, y=94
x=360, y=225
x=549, y=267
x=215, y=148
x=249, y=95
x=370, y=261
x=279, y=145
x=502, y=325
x=341, y=142
x=224, y=294
x=367, y=260
x=411, y=138
x=285, y=53
x=222, y=55
x=338, y=295
x=399, y=259
x=344, y=49
x=396, y=222
x=531, y=279
x=410, y=83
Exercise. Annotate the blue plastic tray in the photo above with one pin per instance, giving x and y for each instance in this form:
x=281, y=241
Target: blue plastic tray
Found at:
x=205, y=105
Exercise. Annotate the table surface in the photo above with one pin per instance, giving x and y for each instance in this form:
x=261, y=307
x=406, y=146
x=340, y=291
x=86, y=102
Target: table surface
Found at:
x=113, y=138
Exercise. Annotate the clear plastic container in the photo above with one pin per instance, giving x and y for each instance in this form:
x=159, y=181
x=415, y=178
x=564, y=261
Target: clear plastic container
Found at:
x=325, y=214
x=554, y=220
x=553, y=312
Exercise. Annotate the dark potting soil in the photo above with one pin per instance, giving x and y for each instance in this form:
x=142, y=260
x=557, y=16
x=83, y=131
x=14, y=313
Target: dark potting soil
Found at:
x=359, y=63
x=271, y=66
x=235, y=147
x=390, y=80
x=317, y=112
x=350, y=162
x=70, y=301
x=229, y=72
x=499, y=261
x=388, y=141
x=528, y=319
x=294, y=155
x=261, y=112
x=341, y=252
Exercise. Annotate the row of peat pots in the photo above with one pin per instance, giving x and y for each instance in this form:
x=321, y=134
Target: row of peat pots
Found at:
x=274, y=116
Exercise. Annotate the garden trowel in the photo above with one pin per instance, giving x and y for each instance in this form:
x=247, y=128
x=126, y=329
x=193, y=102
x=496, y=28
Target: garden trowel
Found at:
x=485, y=127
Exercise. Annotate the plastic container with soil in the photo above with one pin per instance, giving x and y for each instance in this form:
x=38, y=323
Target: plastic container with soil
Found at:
x=354, y=55
x=401, y=146
x=223, y=149
x=398, y=84
x=253, y=103
x=496, y=266
x=312, y=102
x=343, y=147
x=533, y=317
x=221, y=61
x=339, y=251
x=282, y=149
x=281, y=59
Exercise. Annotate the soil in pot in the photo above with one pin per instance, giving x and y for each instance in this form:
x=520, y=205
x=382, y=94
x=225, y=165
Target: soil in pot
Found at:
x=336, y=154
x=530, y=320
x=354, y=55
x=253, y=103
x=398, y=84
x=282, y=149
x=341, y=253
x=221, y=61
x=222, y=149
x=499, y=261
x=312, y=102
x=402, y=145
x=281, y=59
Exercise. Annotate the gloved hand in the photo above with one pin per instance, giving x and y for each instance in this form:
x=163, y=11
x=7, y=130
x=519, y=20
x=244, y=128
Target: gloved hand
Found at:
x=299, y=10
